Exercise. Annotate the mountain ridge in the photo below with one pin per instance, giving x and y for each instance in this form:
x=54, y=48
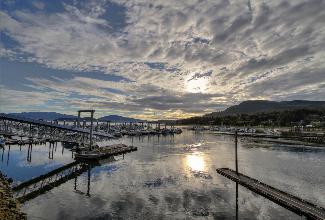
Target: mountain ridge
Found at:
x=50, y=116
x=258, y=106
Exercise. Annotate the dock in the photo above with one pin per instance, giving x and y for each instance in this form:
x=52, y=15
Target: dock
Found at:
x=39, y=131
x=51, y=125
x=104, y=152
x=37, y=186
x=284, y=199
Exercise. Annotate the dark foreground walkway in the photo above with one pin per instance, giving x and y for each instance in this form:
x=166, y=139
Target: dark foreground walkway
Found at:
x=293, y=203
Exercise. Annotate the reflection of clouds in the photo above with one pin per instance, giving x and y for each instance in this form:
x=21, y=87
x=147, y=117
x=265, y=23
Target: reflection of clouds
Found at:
x=286, y=168
x=39, y=156
x=118, y=188
x=19, y=169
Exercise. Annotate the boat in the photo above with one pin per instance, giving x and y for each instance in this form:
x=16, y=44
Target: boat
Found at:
x=178, y=131
x=69, y=144
x=117, y=134
x=2, y=141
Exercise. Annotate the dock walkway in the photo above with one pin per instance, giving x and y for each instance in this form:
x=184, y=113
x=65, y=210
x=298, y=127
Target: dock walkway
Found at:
x=48, y=124
x=293, y=203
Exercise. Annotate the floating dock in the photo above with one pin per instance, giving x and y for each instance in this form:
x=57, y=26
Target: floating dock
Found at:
x=104, y=152
x=293, y=203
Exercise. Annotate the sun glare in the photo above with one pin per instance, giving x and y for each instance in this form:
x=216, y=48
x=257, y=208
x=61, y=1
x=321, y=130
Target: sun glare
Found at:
x=195, y=162
x=196, y=85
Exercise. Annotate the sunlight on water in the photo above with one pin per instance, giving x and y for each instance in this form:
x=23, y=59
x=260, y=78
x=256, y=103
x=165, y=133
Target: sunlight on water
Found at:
x=195, y=162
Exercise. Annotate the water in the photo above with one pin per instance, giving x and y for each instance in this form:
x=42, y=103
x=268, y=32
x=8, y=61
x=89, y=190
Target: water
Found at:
x=172, y=177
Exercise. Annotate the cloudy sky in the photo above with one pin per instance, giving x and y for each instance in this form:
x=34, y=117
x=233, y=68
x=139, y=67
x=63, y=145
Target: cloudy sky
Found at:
x=159, y=58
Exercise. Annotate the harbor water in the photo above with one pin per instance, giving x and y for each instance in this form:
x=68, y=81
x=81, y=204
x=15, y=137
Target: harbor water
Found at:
x=170, y=177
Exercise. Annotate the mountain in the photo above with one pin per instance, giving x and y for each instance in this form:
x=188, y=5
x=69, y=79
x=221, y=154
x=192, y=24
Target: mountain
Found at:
x=257, y=106
x=48, y=116
x=117, y=118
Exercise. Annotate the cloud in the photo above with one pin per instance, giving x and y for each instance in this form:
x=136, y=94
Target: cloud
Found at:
x=200, y=75
x=164, y=50
x=11, y=100
x=39, y=5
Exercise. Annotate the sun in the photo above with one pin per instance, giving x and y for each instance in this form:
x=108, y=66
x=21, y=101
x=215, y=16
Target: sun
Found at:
x=196, y=85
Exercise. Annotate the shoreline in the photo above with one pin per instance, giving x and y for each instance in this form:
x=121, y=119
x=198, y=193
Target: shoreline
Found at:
x=273, y=139
x=9, y=207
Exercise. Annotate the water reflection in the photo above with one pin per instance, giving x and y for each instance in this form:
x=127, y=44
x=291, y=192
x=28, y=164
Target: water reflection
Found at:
x=29, y=153
x=236, y=201
x=169, y=178
x=47, y=181
x=195, y=162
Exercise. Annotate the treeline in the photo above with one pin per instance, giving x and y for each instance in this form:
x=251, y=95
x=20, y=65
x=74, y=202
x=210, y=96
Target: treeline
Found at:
x=276, y=118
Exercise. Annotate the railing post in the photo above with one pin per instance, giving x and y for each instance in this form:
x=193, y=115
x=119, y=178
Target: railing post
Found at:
x=91, y=130
x=236, y=151
x=78, y=122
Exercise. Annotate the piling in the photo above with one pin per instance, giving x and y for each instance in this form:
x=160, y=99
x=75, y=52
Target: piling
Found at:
x=236, y=151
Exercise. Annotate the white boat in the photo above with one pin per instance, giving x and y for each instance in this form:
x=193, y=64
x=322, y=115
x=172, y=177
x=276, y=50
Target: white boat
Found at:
x=2, y=141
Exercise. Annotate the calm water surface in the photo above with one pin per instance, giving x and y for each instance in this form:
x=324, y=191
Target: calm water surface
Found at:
x=171, y=177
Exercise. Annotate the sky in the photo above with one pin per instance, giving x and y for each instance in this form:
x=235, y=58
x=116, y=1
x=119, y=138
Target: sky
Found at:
x=161, y=59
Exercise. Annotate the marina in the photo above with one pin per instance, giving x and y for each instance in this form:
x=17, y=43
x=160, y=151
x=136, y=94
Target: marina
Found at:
x=167, y=110
x=182, y=167
x=90, y=145
x=13, y=129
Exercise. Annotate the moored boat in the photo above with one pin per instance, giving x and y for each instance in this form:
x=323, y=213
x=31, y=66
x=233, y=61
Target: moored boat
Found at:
x=2, y=141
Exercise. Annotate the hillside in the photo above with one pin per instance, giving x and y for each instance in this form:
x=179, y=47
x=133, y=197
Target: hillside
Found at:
x=49, y=116
x=43, y=115
x=117, y=118
x=258, y=106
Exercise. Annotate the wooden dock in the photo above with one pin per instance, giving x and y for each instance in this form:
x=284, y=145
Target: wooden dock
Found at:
x=104, y=152
x=284, y=199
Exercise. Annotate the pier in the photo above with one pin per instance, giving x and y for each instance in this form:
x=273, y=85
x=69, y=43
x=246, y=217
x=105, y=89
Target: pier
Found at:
x=39, y=185
x=31, y=131
x=50, y=125
x=284, y=199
